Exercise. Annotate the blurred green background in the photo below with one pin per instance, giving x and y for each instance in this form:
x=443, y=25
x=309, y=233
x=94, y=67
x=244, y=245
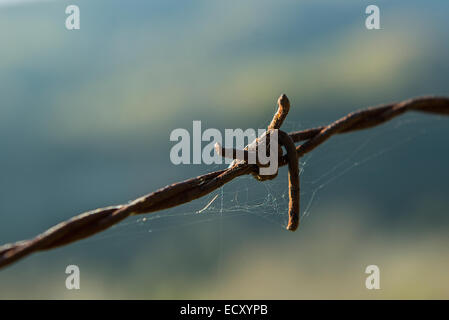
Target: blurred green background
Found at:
x=85, y=119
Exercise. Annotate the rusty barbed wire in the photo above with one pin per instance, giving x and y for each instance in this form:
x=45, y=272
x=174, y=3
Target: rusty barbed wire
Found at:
x=92, y=222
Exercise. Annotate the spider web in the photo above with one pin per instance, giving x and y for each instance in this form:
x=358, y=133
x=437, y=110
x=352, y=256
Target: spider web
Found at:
x=268, y=201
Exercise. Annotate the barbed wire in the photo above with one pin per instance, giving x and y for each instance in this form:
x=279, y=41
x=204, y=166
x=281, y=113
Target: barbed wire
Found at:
x=92, y=222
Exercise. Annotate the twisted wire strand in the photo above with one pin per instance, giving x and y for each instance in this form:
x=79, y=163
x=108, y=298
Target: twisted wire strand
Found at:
x=92, y=222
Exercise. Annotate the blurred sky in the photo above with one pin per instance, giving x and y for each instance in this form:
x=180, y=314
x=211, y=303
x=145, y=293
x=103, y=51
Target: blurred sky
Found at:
x=85, y=119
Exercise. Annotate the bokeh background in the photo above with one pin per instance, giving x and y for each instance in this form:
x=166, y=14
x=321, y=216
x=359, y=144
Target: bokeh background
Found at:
x=85, y=119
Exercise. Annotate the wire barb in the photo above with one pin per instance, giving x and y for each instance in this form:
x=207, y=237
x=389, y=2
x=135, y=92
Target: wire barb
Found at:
x=92, y=222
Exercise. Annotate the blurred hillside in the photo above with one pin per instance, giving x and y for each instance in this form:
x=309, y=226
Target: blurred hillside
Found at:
x=86, y=115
